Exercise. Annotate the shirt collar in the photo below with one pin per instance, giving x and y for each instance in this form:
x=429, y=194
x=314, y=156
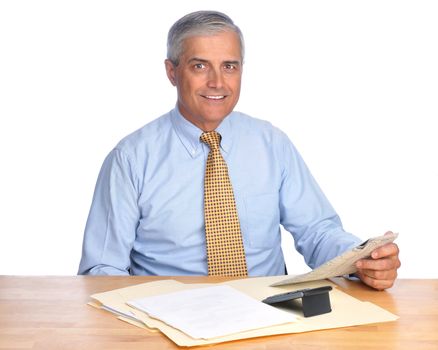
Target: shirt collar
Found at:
x=189, y=134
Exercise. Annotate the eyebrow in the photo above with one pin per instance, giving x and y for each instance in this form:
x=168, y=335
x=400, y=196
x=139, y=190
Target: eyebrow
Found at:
x=237, y=63
x=197, y=59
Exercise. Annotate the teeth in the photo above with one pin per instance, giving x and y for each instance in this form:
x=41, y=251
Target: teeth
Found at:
x=215, y=97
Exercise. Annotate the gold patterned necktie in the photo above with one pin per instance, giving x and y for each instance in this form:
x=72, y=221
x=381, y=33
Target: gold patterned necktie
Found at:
x=225, y=251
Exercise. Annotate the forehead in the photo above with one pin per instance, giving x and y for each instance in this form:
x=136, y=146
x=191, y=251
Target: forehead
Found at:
x=219, y=46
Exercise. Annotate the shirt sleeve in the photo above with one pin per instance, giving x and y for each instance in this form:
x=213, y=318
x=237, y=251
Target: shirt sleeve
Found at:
x=307, y=214
x=113, y=219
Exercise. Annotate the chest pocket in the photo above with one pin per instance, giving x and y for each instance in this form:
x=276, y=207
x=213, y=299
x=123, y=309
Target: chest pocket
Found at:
x=262, y=220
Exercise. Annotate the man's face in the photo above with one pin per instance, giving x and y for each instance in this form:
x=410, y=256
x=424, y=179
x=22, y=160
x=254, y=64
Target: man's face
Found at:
x=208, y=78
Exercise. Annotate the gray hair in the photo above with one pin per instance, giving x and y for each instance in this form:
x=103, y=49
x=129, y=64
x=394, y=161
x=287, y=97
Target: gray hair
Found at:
x=199, y=23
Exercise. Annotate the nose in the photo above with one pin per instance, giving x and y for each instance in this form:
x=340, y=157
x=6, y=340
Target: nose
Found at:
x=215, y=79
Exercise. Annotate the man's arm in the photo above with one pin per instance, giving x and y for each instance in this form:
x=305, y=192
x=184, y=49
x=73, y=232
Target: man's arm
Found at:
x=113, y=219
x=317, y=229
x=307, y=214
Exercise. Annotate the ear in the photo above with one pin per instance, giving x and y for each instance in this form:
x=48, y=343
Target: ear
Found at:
x=170, y=71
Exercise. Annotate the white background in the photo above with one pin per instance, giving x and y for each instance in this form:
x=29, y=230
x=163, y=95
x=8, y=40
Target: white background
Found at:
x=354, y=84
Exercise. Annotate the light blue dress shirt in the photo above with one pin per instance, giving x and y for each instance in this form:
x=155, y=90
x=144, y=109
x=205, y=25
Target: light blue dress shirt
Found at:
x=147, y=217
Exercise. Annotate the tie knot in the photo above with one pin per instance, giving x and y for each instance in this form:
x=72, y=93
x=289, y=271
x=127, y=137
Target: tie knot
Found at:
x=212, y=139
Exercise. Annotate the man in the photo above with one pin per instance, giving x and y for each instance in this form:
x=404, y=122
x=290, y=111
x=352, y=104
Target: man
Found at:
x=147, y=215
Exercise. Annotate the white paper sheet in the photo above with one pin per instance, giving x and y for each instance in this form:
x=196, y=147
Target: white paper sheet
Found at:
x=210, y=312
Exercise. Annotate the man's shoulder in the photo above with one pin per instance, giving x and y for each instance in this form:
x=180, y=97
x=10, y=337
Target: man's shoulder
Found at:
x=256, y=126
x=149, y=134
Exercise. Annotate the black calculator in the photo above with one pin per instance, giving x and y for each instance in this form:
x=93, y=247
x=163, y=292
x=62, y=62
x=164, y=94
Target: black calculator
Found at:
x=315, y=301
x=278, y=298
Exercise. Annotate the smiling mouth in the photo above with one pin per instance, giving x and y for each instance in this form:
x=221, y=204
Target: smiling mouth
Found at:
x=214, y=97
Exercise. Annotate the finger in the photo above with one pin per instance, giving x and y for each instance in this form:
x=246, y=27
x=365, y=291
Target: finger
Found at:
x=380, y=264
x=380, y=275
x=375, y=283
x=389, y=249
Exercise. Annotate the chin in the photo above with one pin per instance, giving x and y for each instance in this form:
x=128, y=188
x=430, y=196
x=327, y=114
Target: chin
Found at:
x=216, y=115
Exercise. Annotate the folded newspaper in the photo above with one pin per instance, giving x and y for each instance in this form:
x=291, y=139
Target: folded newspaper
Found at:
x=343, y=264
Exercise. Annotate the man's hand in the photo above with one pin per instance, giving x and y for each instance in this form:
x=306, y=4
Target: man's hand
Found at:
x=380, y=270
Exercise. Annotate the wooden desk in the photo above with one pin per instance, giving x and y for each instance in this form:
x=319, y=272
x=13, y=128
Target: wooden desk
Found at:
x=51, y=313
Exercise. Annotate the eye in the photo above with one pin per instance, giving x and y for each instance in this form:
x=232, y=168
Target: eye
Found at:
x=230, y=67
x=199, y=66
